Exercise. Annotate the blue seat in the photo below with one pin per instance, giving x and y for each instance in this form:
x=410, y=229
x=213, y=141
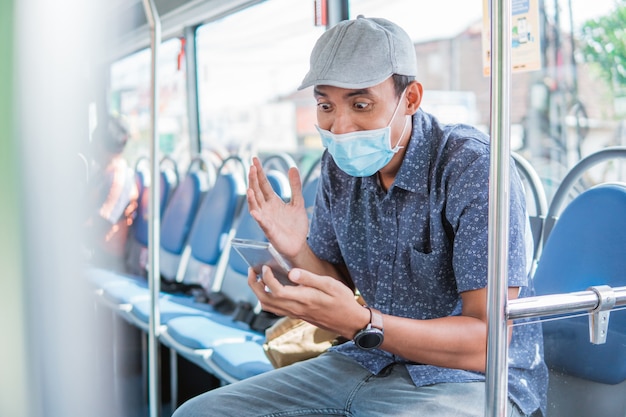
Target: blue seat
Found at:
x=178, y=218
x=234, y=282
x=195, y=336
x=137, y=247
x=123, y=289
x=241, y=360
x=213, y=223
x=247, y=359
x=586, y=247
x=168, y=183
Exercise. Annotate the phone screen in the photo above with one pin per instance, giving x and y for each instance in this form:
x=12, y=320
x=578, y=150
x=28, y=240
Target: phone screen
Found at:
x=256, y=254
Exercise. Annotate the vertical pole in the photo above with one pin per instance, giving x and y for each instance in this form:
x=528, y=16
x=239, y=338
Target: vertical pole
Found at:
x=191, y=86
x=337, y=10
x=499, y=192
x=154, y=241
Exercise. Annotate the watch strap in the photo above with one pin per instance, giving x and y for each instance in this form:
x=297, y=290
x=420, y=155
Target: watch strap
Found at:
x=376, y=318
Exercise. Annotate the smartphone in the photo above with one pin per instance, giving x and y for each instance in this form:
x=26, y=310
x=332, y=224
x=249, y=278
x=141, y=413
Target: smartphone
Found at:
x=256, y=254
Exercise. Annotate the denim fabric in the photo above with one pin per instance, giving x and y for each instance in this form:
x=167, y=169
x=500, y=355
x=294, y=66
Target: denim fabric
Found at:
x=335, y=385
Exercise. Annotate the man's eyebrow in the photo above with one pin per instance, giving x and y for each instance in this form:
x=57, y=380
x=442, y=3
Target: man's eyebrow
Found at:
x=351, y=93
x=359, y=92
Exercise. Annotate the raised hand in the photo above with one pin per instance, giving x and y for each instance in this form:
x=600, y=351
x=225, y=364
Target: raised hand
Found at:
x=285, y=224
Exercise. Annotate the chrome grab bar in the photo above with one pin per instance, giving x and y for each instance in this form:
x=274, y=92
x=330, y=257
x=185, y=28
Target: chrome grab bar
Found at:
x=154, y=232
x=597, y=300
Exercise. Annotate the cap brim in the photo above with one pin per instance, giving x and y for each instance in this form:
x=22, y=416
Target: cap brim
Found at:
x=342, y=84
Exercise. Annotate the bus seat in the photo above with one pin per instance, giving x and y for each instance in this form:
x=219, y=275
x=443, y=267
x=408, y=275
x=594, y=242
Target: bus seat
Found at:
x=169, y=180
x=177, y=220
x=212, y=225
x=195, y=336
x=240, y=360
x=586, y=247
x=136, y=256
x=309, y=192
x=245, y=359
x=233, y=283
x=137, y=244
x=179, y=214
x=129, y=295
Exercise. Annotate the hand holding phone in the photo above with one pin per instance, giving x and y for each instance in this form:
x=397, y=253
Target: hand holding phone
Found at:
x=256, y=254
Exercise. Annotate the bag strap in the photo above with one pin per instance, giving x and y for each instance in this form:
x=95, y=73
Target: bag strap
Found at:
x=244, y=312
x=220, y=302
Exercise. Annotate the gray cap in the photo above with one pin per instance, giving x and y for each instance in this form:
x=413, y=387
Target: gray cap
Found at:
x=361, y=53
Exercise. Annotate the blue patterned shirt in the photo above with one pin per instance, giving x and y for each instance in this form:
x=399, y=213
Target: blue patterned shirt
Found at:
x=412, y=250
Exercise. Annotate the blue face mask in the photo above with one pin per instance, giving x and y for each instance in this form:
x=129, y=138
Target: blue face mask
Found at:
x=364, y=152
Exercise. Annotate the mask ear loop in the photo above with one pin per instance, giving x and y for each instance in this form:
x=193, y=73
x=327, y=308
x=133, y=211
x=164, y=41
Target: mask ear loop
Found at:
x=396, y=148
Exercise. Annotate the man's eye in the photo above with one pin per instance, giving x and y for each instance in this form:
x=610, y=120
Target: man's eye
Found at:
x=323, y=106
x=361, y=106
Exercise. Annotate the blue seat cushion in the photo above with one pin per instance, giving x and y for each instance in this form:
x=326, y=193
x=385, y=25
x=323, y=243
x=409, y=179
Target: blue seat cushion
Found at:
x=125, y=292
x=198, y=332
x=241, y=360
x=167, y=310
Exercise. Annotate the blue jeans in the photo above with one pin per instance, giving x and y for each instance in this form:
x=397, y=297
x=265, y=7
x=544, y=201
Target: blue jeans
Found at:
x=334, y=385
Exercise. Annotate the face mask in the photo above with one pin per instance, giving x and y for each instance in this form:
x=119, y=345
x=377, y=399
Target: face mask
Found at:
x=364, y=152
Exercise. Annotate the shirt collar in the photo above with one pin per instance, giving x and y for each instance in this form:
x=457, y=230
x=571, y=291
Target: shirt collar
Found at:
x=413, y=173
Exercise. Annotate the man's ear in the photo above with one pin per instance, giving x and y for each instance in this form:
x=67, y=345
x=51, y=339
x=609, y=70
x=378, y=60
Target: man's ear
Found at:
x=413, y=97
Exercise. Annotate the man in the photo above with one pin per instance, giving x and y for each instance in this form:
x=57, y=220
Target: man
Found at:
x=401, y=213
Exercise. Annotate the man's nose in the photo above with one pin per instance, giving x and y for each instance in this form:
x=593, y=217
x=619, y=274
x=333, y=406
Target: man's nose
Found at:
x=342, y=123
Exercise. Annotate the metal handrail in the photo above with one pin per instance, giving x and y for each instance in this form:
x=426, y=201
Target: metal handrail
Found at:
x=556, y=304
x=154, y=231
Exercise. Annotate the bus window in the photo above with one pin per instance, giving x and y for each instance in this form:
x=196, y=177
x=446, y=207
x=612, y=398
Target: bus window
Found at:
x=249, y=67
x=130, y=96
x=561, y=112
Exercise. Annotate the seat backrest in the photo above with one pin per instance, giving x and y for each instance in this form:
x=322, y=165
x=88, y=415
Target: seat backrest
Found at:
x=140, y=224
x=309, y=192
x=177, y=220
x=213, y=226
x=586, y=247
x=233, y=284
x=136, y=251
x=168, y=184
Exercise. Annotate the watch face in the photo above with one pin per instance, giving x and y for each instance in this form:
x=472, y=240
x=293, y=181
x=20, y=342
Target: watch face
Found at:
x=369, y=338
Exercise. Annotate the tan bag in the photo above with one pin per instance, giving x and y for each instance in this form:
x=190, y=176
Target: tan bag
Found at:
x=292, y=340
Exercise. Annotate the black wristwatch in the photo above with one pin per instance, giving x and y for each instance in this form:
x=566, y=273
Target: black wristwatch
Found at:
x=372, y=335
